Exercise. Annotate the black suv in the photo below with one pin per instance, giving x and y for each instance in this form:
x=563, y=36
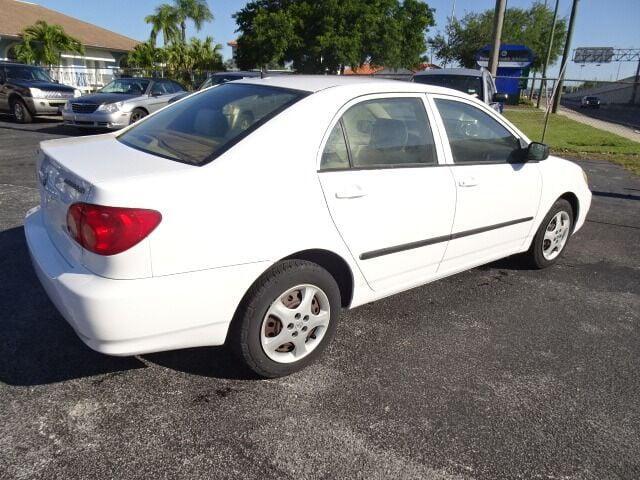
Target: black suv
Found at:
x=27, y=90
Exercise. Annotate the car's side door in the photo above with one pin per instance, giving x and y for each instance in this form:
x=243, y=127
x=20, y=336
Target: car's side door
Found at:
x=390, y=201
x=498, y=193
x=4, y=94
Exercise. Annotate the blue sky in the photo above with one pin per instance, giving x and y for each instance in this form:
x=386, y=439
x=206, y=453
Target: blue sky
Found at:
x=603, y=23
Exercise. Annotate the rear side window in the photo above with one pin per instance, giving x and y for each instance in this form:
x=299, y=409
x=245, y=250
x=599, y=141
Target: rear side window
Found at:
x=335, y=154
x=475, y=136
x=389, y=132
x=203, y=126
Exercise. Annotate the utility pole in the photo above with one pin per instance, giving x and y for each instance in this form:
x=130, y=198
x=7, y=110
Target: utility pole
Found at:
x=498, y=19
x=549, y=47
x=565, y=56
x=635, y=85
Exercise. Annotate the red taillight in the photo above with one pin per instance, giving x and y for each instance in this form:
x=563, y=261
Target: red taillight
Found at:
x=109, y=230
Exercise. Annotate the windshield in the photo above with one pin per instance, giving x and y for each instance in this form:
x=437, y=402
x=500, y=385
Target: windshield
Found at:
x=28, y=73
x=203, y=126
x=462, y=83
x=130, y=86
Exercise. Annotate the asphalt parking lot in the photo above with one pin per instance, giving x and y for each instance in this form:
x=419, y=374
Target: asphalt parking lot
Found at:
x=500, y=372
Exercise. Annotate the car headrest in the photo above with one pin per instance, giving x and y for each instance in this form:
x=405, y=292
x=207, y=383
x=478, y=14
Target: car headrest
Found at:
x=388, y=133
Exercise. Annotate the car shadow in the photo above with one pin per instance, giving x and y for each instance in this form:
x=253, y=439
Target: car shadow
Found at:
x=214, y=362
x=623, y=196
x=37, y=346
x=43, y=125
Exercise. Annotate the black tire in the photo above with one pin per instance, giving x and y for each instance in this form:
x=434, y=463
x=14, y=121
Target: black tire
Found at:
x=535, y=256
x=137, y=114
x=246, y=328
x=20, y=112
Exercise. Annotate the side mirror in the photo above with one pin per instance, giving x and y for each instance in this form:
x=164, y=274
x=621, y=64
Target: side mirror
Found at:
x=156, y=94
x=537, y=151
x=500, y=97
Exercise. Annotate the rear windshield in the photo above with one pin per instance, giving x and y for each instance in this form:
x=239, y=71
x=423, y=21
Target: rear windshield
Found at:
x=203, y=126
x=462, y=83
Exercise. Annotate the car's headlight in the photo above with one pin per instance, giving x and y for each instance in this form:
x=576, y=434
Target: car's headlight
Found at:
x=110, y=107
x=76, y=93
x=36, y=92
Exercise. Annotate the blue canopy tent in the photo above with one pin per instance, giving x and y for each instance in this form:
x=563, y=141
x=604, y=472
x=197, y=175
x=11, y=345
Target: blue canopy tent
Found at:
x=514, y=61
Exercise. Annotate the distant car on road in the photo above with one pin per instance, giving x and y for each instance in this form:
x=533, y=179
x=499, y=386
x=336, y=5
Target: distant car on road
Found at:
x=477, y=83
x=27, y=91
x=253, y=212
x=120, y=103
x=590, y=102
x=217, y=79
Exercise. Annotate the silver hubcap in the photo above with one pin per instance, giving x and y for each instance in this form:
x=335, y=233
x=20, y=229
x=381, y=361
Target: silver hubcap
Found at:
x=18, y=112
x=295, y=324
x=556, y=235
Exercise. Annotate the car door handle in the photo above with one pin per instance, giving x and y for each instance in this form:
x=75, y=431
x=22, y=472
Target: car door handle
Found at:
x=351, y=192
x=467, y=182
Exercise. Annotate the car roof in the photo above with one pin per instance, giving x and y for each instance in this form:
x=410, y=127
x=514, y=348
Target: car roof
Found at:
x=236, y=74
x=18, y=64
x=316, y=83
x=452, y=71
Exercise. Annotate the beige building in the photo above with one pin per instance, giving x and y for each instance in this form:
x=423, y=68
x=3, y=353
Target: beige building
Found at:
x=103, y=49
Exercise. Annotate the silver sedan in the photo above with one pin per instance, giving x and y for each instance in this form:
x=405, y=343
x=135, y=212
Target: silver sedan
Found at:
x=120, y=103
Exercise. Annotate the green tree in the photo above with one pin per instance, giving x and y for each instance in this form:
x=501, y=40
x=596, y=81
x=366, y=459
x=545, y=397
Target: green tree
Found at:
x=165, y=19
x=144, y=55
x=325, y=36
x=43, y=44
x=529, y=27
x=205, y=54
x=195, y=10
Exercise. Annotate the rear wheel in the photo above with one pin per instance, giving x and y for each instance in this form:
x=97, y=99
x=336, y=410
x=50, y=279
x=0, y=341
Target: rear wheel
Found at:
x=20, y=111
x=287, y=318
x=136, y=115
x=552, y=236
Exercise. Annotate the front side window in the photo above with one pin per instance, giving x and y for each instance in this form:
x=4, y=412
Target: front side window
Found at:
x=203, y=126
x=20, y=72
x=475, y=136
x=128, y=86
x=389, y=132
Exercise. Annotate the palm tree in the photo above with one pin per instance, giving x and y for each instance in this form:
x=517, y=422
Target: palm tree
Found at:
x=165, y=20
x=205, y=54
x=144, y=55
x=43, y=43
x=195, y=10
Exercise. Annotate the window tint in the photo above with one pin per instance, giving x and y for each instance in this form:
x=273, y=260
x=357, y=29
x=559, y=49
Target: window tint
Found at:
x=474, y=136
x=177, y=88
x=203, y=126
x=463, y=83
x=335, y=151
x=390, y=131
x=161, y=87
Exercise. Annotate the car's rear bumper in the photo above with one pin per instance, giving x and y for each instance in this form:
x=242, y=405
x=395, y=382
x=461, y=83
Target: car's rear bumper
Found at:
x=104, y=120
x=130, y=317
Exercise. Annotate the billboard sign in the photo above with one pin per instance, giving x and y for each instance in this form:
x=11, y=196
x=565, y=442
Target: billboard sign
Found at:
x=593, y=55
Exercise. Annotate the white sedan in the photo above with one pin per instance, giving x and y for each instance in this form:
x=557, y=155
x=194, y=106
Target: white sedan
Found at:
x=253, y=212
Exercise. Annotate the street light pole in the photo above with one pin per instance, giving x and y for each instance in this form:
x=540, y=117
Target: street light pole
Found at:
x=565, y=56
x=498, y=19
x=543, y=81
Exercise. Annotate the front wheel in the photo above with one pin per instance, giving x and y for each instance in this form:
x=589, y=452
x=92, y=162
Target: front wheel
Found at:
x=20, y=112
x=136, y=115
x=552, y=236
x=287, y=318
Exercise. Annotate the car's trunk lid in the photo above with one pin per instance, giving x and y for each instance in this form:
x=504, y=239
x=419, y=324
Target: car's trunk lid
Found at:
x=96, y=169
